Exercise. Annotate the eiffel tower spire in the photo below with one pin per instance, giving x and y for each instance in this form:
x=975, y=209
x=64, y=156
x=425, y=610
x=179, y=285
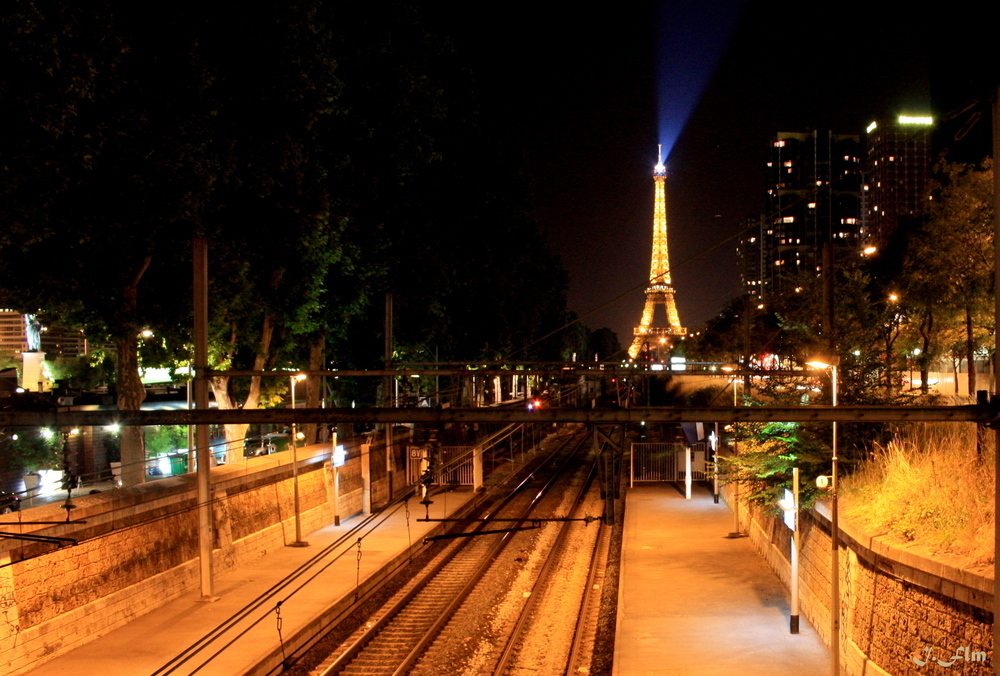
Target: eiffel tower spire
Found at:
x=651, y=332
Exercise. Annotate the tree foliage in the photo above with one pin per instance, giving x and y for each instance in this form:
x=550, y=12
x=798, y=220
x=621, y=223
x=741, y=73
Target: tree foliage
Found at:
x=329, y=152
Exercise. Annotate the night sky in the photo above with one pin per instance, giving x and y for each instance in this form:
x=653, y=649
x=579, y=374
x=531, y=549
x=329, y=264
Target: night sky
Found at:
x=589, y=94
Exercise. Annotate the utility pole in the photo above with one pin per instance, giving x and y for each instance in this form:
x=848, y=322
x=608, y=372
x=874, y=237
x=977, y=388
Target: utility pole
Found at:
x=386, y=391
x=996, y=352
x=206, y=526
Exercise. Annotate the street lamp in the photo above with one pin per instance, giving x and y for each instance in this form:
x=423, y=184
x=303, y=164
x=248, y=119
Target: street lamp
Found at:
x=832, y=362
x=295, y=468
x=737, y=533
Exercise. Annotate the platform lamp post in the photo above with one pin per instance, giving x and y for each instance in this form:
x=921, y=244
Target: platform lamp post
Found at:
x=737, y=533
x=832, y=362
x=299, y=542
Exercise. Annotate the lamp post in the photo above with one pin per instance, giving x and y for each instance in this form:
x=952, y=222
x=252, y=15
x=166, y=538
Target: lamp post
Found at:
x=737, y=533
x=832, y=362
x=295, y=468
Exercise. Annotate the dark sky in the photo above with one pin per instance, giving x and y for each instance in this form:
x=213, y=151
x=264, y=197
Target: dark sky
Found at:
x=580, y=90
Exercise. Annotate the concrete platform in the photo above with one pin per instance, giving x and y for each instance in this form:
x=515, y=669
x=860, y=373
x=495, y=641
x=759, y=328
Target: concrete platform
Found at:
x=147, y=645
x=691, y=601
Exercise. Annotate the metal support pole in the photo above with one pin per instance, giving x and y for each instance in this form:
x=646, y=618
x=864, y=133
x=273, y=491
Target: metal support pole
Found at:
x=192, y=453
x=687, y=473
x=631, y=465
x=996, y=365
x=387, y=387
x=206, y=526
x=366, y=479
x=336, y=496
x=834, y=548
x=715, y=461
x=477, y=468
x=736, y=484
x=794, y=619
x=295, y=478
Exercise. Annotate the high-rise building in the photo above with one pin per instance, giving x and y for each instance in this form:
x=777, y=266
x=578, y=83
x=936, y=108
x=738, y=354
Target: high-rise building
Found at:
x=22, y=333
x=813, y=196
x=897, y=173
x=658, y=330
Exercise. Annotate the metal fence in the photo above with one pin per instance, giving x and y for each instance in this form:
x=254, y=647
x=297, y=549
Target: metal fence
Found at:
x=454, y=464
x=666, y=462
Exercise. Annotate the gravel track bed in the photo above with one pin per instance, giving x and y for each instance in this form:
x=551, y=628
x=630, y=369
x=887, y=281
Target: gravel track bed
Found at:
x=545, y=644
x=472, y=642
x=347, y=631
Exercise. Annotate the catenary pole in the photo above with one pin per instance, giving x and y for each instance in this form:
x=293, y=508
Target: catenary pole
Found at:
x=996, y=363
x=204, y=479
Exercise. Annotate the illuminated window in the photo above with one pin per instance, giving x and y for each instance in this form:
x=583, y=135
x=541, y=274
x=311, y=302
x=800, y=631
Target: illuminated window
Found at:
x=811, y=205
x=788, y=163
x=788, y=219
x=770, y=164
x=779, y=144
x=753, y=239
x=849, y=221
x=892, y=158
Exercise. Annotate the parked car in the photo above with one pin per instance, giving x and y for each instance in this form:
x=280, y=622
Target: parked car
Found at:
x=266, y=444
x=9, y=502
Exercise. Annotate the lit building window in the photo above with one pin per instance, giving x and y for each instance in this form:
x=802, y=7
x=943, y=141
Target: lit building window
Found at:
x=811, y=205
x=788, y=163
x=779, y=144
x=788, y=219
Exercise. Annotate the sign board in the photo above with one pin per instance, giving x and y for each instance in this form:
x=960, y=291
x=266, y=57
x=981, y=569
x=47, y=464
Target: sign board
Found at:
x=416, y=452
x=788, y=506
x=339, y=456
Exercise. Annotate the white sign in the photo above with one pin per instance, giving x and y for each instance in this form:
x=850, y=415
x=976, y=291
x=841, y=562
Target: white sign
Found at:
x=339, y=456
x=787, y=504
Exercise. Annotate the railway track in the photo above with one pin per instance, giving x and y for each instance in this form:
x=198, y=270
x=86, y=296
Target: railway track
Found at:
x=432, y=609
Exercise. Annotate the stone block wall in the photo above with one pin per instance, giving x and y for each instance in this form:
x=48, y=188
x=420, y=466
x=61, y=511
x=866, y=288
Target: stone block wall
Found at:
x=898, y=608
x=139, y=549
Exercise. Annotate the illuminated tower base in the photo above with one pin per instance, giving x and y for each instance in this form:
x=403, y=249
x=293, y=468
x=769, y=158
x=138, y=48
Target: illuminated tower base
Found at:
x=653, y=333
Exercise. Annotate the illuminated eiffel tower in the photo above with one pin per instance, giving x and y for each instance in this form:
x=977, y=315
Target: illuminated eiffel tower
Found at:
x=653, y=333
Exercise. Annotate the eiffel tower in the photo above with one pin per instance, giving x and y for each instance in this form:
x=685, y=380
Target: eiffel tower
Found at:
x=653, y=332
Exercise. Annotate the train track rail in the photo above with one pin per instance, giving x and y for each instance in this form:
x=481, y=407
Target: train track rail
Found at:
x=554, y=598
x=392, y=640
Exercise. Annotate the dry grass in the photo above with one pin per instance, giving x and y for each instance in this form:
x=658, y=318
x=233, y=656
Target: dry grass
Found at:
x=930, y=487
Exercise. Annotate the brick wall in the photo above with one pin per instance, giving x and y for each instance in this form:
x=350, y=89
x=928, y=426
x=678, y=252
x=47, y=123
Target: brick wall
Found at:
x=896, y=606
x=139, y=549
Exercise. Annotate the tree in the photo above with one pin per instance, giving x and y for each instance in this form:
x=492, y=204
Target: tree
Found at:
x=956, y=247
x=103, y=172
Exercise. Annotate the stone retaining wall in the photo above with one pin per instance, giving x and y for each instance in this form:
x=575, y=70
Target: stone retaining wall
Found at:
x=139, y=549
x=897, y=607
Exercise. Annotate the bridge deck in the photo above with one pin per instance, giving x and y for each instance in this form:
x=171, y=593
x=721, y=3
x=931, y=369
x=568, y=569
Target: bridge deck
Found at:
x=691, y=601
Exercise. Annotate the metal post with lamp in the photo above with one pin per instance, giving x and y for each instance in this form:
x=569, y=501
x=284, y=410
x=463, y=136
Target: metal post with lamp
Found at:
x=832, y=362
x=737, y=533
x=295, y=469
x=790, y=505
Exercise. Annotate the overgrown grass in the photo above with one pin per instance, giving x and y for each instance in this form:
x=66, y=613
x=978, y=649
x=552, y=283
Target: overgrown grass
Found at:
x=931, y=487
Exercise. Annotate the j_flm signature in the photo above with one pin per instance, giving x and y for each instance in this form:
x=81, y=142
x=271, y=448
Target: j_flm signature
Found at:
x=961, y=654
